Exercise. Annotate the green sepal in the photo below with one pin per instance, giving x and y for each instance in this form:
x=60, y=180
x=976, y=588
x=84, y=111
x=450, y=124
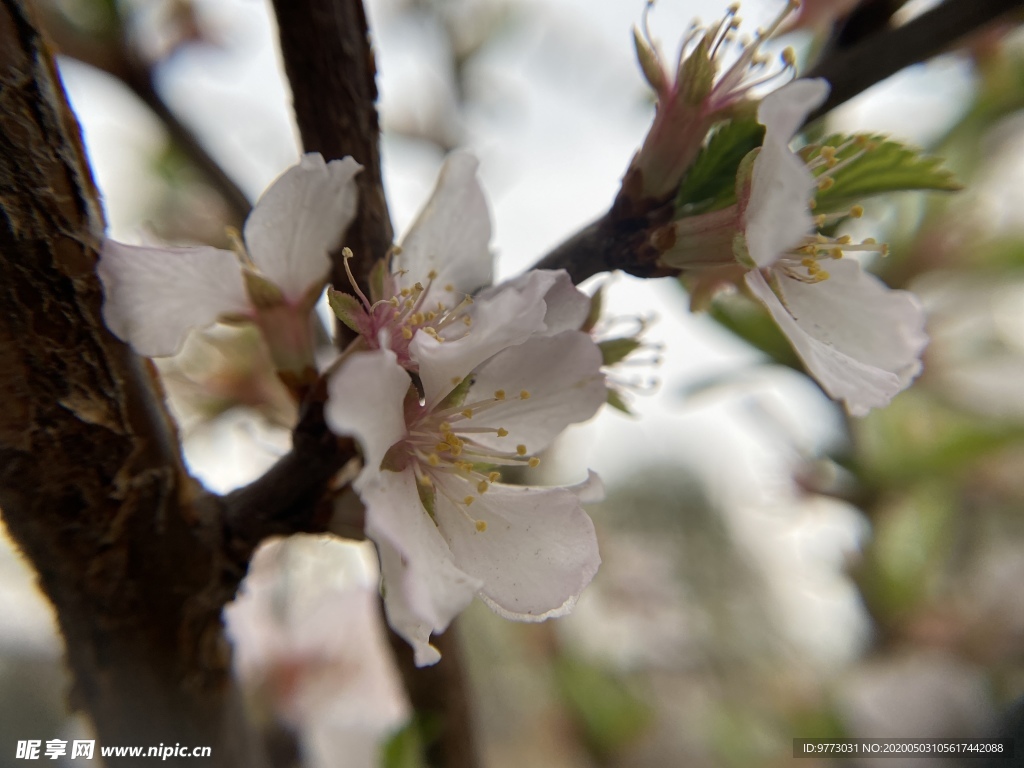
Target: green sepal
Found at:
x=345, y=306
x=596, y=301
x=263, y=293
x=378, y=272
x=428, y=498
x=696, y=76
x=884, y=166
x=615, y=401
x=457, y=396
x=710, y=183
x=396, y=459
x=616, y=350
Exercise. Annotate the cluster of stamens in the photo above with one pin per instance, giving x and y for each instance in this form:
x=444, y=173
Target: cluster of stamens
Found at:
x=408, y=311
x=444, y=443
x=825, y=161
x=751, y=67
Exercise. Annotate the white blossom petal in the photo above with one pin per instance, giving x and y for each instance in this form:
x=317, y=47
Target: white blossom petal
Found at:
x=300, y=219
x=567, y=306
x=505, y=320
x=153, y=296
x=562, y=376
x=451, y=235
x=777, y=215
x=423, y=588
x=365, y=400
x=538, y=552
x=859, y=339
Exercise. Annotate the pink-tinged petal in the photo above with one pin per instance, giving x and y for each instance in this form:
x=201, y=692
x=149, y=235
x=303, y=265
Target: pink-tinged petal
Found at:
x=300, y=219
x=365, y=400
x=538, y=551
x=423, y=588
x=777, y=215
x=561, y=376
x=154, y=296
x=859, y=339
x=567, y=306
x=507, y=319
x=451, y=235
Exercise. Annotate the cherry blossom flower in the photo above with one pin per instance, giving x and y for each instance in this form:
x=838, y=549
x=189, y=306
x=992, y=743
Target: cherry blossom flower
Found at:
x=155, y=295
x=859, y=339
x=694, y=94
x=308, y=637
x=445, y=526
x=426, y=283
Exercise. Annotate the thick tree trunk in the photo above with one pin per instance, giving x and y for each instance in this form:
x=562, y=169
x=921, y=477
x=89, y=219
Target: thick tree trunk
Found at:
x=92, y=488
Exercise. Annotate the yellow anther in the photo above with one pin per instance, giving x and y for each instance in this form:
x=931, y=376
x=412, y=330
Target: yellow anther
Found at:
x=494, y=477
x=482, y=486
x=406, y=333
x=481, y=526
x=857, y=211
x=449, y=287
x=468, y=413
x=405, y=292
x=432, y=274
x=418, y=287
x=393, y=301
x=819, y=220
x=826, y=183
x=456, y=450
x=521, y=449
x=441, y=447
x=425, y=480
x=809, y=263
x=433, y=459
x=409, y=303
x=844, y=240
x=452, y=439
x=524, y=395
x=417, y=319
x=836, y=253
x=821, y=276
x=869, y=241
x=502, y=432
x=789, y=56
x=828, y=153
x=468, y=500
x=467, y=320
x=499, y=394
x=445, y=427
x=431, y=316
x=534, y=462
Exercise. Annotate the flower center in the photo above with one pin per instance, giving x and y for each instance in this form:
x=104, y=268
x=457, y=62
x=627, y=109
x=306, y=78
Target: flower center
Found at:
x=449, y=458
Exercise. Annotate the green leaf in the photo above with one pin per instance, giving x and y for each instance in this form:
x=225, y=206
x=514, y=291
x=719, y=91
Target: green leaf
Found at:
x=616, y=350
x=711, y=181
x=615, y=401
x=876, y=165
x=751, y=323
x=428, y=497
x=346, y=307
x=405, y=748
x=610, y=715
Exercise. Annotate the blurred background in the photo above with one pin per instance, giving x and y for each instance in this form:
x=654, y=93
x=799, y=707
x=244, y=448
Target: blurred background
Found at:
x=772, y=569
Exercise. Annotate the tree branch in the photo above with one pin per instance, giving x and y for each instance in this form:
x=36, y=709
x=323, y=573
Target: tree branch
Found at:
x=330, y=67
x=618, y=242
x=852, y=70
x=112, y=54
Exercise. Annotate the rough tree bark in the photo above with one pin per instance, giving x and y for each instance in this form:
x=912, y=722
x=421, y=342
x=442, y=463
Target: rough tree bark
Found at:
x=92, y=487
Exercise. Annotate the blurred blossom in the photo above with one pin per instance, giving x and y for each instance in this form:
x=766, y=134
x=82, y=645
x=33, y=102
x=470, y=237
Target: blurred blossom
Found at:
x=310, y=642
